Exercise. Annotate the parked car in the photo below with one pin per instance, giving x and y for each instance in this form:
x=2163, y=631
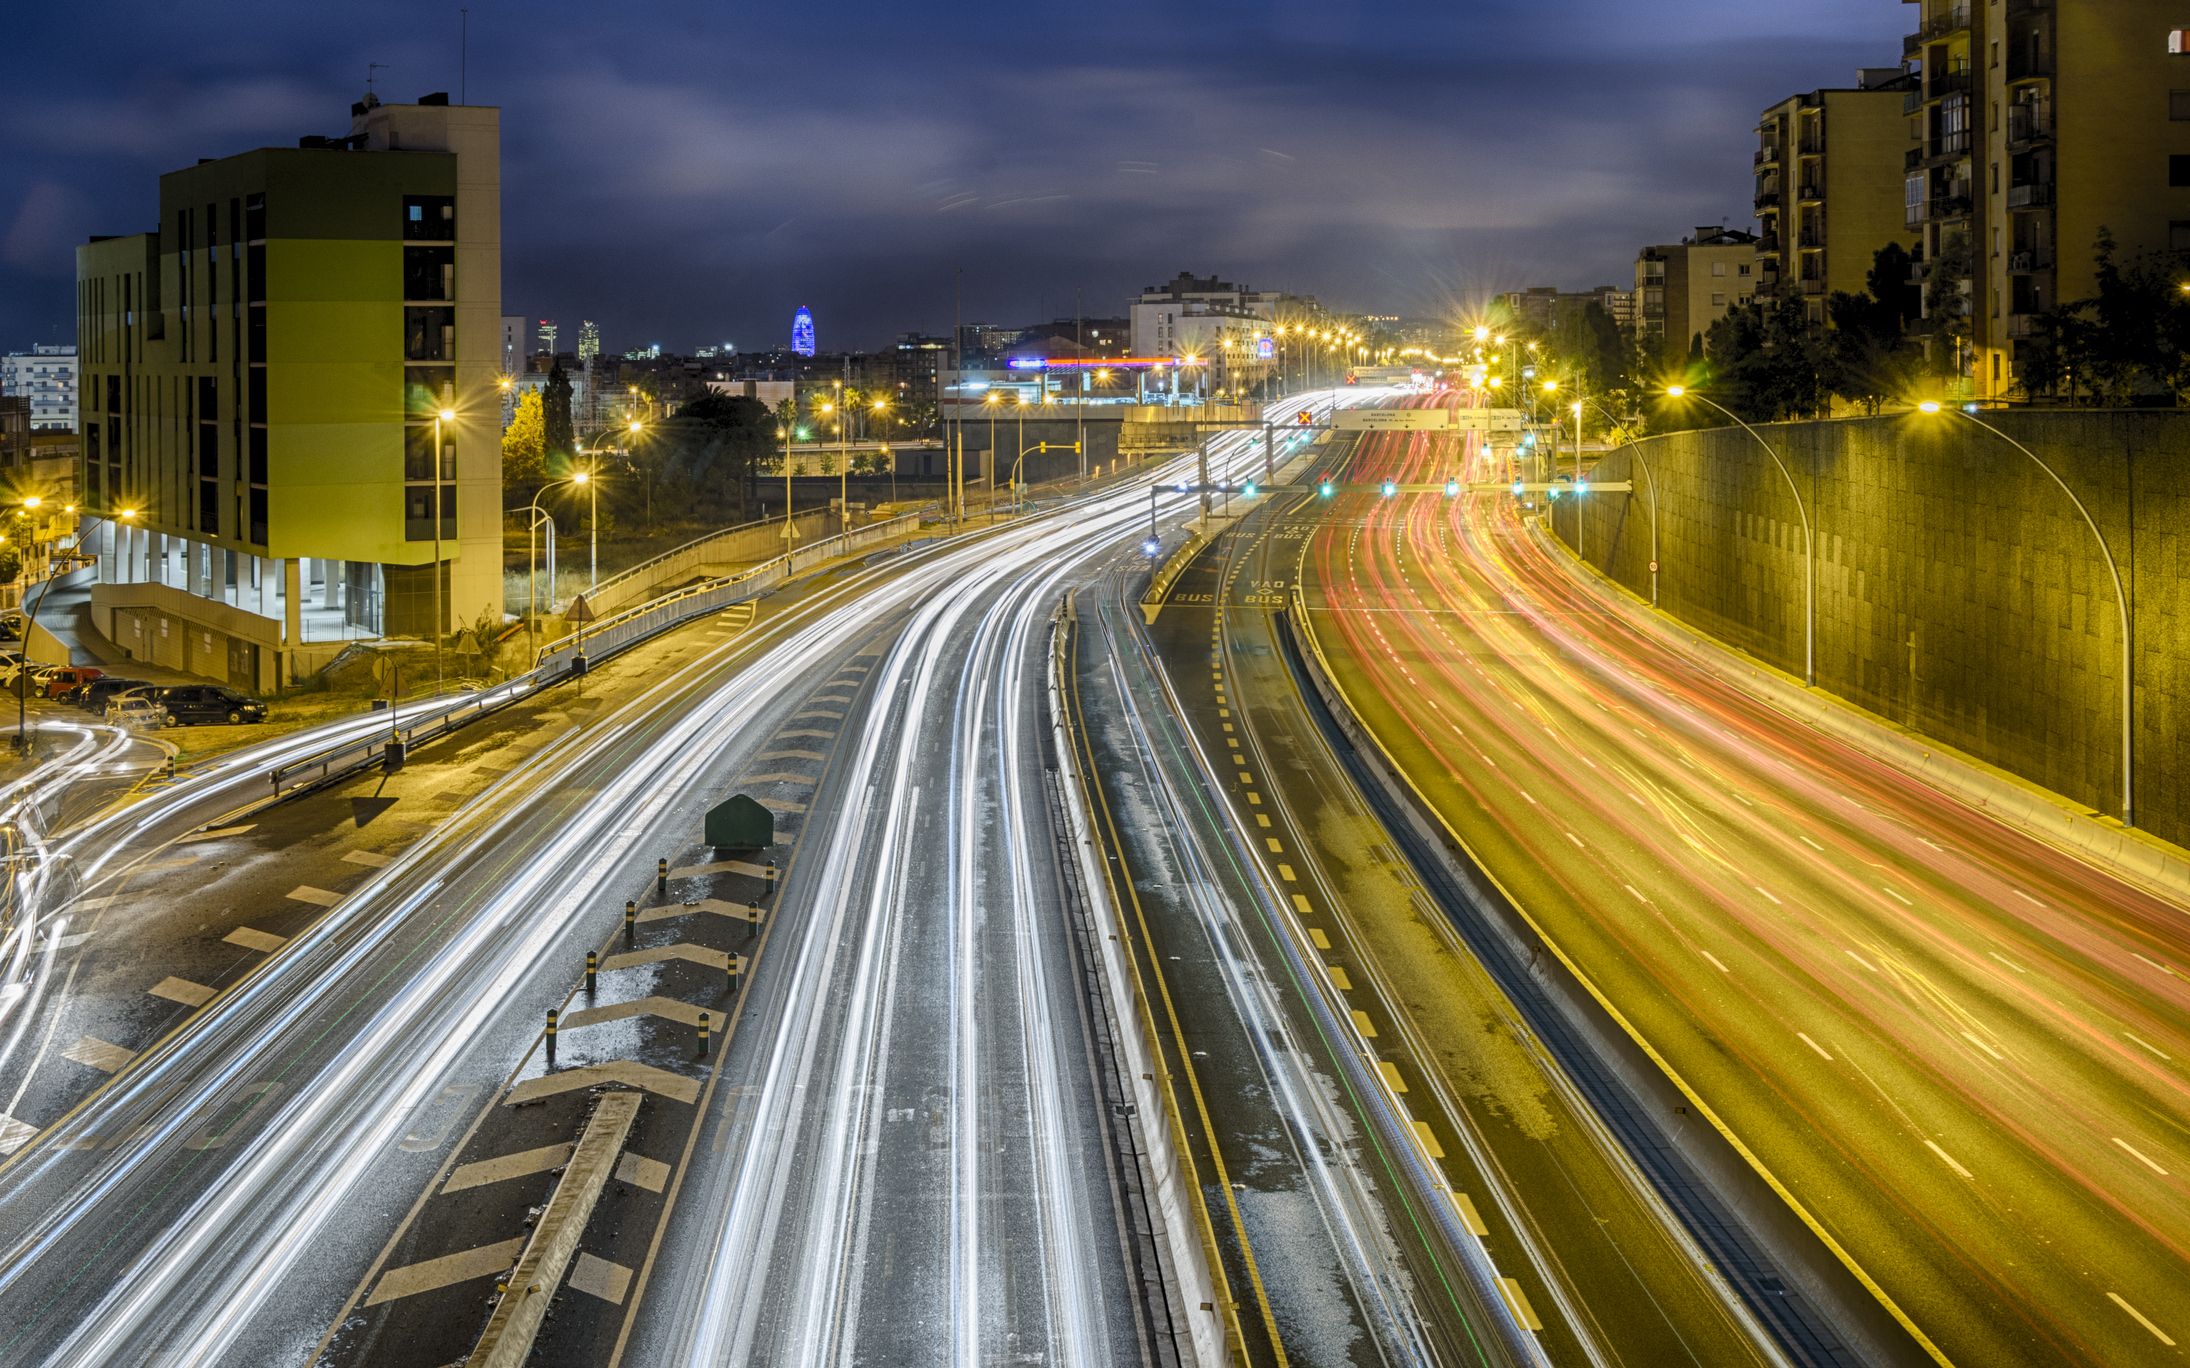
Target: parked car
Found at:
x=208, y=703
x=64, y=678
x=95, y=695
x=136, y=710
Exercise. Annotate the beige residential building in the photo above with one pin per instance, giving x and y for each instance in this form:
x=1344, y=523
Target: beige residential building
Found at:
x=1682, y=288
x=2040, y=123
x=1829, y=186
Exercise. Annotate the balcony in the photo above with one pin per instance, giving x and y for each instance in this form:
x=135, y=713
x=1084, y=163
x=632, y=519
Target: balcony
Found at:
x=1765, y=154
x=1812, y=240
x=2025, y=65
x=1947, y=207
x=1813, y=285
x=1949, y=147
x=1811, y=192
x=1768, y=199
x=1950, y=19
x=2028, y=124
x=1951, y=82
x=2022, y=325
x=2035, y=196
x=2030, y=261
x=1912, y=159
x=1768, y=245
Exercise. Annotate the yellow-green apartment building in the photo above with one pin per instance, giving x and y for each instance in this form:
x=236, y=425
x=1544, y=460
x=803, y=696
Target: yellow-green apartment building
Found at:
x=263, y=379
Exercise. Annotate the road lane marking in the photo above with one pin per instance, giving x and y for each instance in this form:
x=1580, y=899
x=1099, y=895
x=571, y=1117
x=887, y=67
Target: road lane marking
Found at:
x=1318, y=939
x=777, y=777
x=183, y=991
x=522, y=1164
x=640, y=1171
x=1973, y=1038
x=1526, y=794
x=2026, y=897
x=1896, y=896
x=1815, y=1046
x=1715, y=960
x=1255, y=799
x=1277, y=847
x=95, y=1053
x=1303, y=906
x=645, y=1077
x=217, y=833
x=1518, y=1300
x=2157, y=1333
x=1285, y=872
x=250, y=939
x=600, y=1278
x=1262, y=820
x=2008, y=962
x=317, y=897
x=1768, y=894
x=826, y=714
x=1246, y=778
x=668, y=1008
x=1340, y=979
x=1576, y=840
x=1637, y=894
x=2140, y=1155
x=1948, y=1159
x=371, y=859
x=1364, y=1025
x=446, y=1271
x=1862, y=961
x=1428, y=1137
x=1390, y=1071
x=790, y=755
x=2150, y=1046
x=14, y=1134
x=682, y=950
x=2154, y=963
x=1469, y=1216
x=1810, y=843
x=806, y=734
x=745, y=867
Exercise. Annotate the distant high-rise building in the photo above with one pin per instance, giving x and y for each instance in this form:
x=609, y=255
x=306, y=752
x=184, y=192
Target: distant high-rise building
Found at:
x=1195, y=315
x=589, y=340
x=264, y=382
x=1828, y=187
x=46, y=376
x=546, y=332
x=1682, y=288
x=2037, y=124
x=514, y=350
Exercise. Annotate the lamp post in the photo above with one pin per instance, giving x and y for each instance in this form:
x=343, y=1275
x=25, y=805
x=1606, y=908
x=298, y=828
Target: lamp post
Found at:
x=989, y=401
x=30, y=621
x=536, y=516
x=2121, y=600
x=790, y=529
x=1019, y=461
x=1634, y=449
x=1809, y=541
x=440, y=617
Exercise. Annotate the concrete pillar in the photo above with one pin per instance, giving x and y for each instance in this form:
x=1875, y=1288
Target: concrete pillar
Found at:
x=330, y=589
x=268, y=598
x=292, y=607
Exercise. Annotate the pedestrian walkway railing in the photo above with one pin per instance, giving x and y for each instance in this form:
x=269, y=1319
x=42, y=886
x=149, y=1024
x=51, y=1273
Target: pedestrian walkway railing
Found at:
x=573, y=654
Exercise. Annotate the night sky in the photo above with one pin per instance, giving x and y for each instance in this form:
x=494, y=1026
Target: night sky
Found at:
x=689, y=173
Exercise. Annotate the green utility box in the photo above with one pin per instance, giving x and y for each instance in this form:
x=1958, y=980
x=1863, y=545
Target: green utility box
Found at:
x=740, y=824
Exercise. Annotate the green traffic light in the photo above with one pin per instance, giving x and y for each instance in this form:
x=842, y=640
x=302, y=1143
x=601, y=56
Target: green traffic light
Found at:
x=1324, y=489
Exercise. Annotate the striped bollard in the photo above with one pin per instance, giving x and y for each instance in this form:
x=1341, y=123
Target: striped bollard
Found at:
x=631, y=921
x=551, y=1035
x=593, y=968
x=703, y=1035
x=661, y=878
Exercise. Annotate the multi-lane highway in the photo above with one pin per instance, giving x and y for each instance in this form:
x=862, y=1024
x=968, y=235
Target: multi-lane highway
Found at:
x=1961, y=1049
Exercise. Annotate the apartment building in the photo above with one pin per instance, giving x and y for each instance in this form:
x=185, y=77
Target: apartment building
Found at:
x=46, y=376
x=1682, y=288
x=2039, y=122
x=1829, y=194
x=263, y=382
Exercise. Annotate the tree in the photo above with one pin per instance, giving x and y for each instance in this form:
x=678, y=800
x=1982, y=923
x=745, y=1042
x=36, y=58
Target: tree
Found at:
x=1868, y=356
x=559, y=436
x=709, y=452
x=524, y=442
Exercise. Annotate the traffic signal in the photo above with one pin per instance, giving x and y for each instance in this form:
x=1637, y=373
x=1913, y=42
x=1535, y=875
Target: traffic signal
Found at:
x=1248, y=489
x=1324, y=489
x=1452, y=487
x=1390, y=489
x=1306, y=417
x=1518, y=489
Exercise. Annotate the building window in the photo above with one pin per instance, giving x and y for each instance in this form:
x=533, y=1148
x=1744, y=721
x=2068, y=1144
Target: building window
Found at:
x=1744, y=268
x=1718, y=268
x=1718, y=299
x=429, y=218
x=2178, y=170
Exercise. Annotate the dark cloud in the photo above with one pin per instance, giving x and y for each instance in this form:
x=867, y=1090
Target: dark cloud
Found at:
x=688, y=172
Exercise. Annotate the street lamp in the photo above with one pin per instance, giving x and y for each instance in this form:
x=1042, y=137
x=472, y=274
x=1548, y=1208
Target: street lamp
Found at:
x=440, y=617
x=1809, y=541
x=989, y=401
x=30, y=620
x=2121, y=599
x=790, y=529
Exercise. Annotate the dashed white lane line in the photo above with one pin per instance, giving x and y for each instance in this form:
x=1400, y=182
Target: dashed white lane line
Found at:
x=1810, y=843
x=2139, y=1155
x=250, y=939
x=1896, y=896
x=1973, y=1038
x=2150, y=1046
x=2157, y=1333
x=1638, y=895
x=371, y=859
x=2008, y=962
x=1526, y=794
x=1805, y=1039
x=1947, y=1159
x=94, y=1053
x=318, y=897
x=2154, y=963
x=1716, y=961
x=1862, y=961
x=2026, y=897
x=1576, y=840
x=1768, y=894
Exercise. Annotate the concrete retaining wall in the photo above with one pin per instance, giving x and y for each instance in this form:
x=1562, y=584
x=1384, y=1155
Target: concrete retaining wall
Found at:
x=1959, y=594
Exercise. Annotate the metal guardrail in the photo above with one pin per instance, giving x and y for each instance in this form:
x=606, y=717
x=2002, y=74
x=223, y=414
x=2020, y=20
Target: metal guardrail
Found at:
x=557, y=660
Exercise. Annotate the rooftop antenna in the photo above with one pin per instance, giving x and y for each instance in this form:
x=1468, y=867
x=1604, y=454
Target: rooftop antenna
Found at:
x=370, y=68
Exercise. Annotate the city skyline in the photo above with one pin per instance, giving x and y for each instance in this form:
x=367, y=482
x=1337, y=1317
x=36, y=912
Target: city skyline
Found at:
x=1359, y=160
